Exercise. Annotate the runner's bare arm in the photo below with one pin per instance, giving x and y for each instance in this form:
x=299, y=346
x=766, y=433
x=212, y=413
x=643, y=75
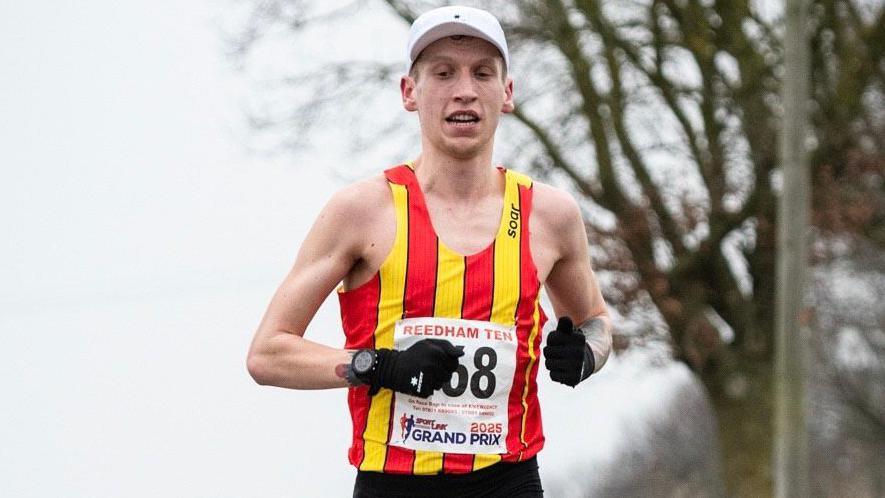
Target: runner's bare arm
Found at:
x=571, y=283
x=279, y=354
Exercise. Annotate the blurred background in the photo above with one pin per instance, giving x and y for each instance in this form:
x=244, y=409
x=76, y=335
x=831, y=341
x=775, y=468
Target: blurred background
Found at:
x=160, y=163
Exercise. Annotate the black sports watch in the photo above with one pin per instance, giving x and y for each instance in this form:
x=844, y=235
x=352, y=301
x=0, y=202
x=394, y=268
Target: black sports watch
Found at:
x=362, y=364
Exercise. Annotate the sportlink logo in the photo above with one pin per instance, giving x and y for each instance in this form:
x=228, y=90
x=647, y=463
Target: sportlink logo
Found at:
x=406, y=425
x=429, y=431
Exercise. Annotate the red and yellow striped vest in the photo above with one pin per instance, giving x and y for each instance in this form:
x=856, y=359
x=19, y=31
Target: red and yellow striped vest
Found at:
x=421, y=277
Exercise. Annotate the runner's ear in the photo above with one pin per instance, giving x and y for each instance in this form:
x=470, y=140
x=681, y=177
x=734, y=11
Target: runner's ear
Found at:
x=508, y=106
x=407, y=91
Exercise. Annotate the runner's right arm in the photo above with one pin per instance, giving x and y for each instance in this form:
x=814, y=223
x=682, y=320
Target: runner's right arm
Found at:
x=349, y=238
x=279, y=354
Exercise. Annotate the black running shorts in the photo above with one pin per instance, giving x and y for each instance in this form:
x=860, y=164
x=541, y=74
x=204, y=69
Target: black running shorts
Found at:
x=504, y=480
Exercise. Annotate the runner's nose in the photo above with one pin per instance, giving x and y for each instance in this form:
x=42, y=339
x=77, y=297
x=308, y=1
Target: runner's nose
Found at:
x=465, y=89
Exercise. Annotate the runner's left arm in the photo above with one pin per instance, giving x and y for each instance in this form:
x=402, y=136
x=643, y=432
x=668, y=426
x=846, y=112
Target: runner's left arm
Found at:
x=572, y=285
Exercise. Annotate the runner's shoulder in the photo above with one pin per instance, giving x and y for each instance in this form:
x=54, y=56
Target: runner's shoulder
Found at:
x=554, y=207
x=360, y=203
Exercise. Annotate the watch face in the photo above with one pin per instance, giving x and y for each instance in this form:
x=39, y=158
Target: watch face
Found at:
x=362, y=361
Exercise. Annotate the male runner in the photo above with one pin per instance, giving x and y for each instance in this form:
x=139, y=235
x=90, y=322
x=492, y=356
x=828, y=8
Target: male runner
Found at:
x=442, y=260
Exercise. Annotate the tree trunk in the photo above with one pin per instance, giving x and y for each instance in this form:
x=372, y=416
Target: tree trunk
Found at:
x=743, y=403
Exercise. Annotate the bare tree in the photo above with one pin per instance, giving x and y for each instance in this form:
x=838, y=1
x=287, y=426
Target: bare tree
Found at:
x=847, y=391
x=663, y=117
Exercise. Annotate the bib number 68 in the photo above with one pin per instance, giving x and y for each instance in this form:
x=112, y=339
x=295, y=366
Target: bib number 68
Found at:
x=484, y=360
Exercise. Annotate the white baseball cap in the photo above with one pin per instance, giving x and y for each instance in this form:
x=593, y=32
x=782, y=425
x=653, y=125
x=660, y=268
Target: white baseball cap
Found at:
x=453, y=21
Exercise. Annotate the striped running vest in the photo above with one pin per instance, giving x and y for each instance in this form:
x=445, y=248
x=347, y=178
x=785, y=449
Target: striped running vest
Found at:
x=422, y=277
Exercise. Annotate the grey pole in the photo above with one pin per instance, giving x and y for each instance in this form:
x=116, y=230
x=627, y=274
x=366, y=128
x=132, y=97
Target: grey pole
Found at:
x=791, y=439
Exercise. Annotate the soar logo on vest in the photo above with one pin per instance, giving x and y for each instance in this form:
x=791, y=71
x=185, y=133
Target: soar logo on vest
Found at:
x=513, y=223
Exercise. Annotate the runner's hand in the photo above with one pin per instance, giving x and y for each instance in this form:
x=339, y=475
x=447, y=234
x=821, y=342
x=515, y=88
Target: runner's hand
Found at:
x=419, y=370
x=567, y=355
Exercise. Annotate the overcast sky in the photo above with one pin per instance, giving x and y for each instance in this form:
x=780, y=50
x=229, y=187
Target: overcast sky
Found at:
x=141, y=246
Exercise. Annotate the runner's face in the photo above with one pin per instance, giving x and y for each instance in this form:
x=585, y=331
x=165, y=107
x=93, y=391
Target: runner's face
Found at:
x=459, y=94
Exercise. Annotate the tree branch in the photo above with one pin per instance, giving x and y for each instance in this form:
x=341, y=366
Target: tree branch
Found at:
x=555, y=154
x=566, y=40
x=617, y=106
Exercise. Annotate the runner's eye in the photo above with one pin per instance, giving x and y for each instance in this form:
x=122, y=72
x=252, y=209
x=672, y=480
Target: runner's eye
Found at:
x=484, y=73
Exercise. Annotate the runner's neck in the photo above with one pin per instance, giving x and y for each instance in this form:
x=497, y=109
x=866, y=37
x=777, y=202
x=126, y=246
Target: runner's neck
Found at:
x=458, y=180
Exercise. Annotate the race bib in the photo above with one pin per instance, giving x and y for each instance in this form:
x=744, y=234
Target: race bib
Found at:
x=468, y=415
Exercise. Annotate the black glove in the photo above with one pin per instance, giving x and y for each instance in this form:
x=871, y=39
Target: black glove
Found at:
x=419, y=370
x=567, y=355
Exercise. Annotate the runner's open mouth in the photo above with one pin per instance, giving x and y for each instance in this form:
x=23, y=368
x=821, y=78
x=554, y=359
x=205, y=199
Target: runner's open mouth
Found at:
x=462, y=117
